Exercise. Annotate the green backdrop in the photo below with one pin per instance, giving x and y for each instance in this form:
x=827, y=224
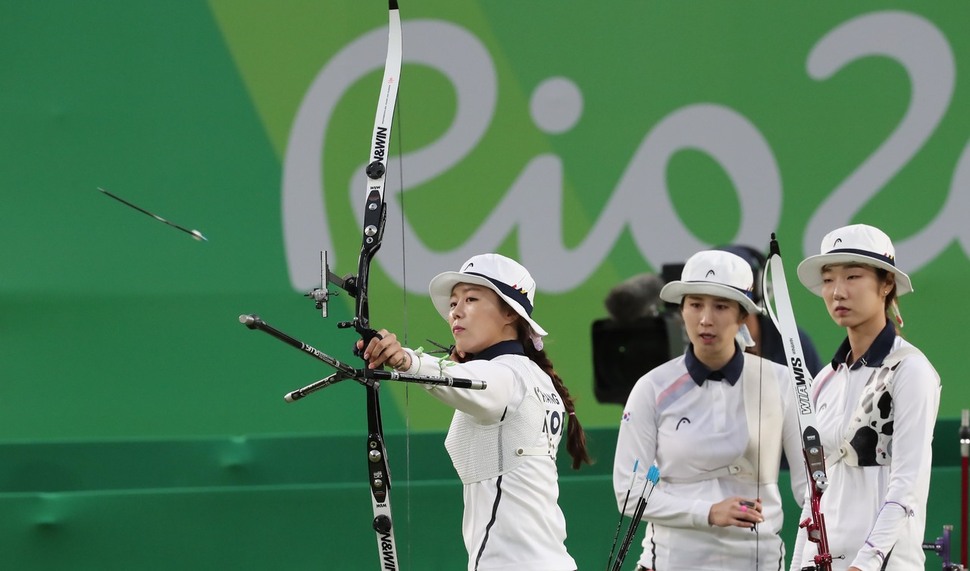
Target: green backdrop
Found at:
x=593, y=142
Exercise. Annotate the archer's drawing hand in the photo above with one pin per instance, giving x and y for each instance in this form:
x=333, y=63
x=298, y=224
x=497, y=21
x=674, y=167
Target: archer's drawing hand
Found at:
x=735, y=511
x=383, y=350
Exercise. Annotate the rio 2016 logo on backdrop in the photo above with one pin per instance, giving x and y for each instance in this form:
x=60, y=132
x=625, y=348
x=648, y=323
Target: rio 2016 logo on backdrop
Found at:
x=640, y=203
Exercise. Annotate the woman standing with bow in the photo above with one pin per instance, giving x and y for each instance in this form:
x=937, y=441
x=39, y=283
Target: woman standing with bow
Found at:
x=714, y=421
x=876, y=405
x=502, y=440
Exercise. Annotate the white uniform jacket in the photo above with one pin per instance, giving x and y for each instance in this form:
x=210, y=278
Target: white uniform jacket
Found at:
x=692, y=427
x=512, y=519
x=875, y=514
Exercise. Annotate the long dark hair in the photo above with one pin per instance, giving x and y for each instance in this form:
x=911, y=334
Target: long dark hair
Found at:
x=575, y=436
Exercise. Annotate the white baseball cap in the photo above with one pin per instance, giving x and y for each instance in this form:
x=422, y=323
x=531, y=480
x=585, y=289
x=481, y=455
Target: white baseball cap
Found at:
x=717, y=273
x=506, y=277
x=855, y=244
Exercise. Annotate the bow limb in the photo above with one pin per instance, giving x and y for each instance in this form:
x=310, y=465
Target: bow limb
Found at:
x=783, y=317
x=375, y=210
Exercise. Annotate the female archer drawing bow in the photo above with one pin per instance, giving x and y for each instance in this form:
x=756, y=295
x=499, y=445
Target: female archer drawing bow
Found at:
x=503, y=441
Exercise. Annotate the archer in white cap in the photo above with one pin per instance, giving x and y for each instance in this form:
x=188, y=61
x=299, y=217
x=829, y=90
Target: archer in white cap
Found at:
x=502, y=440
x=715, y=421
x=876, y=406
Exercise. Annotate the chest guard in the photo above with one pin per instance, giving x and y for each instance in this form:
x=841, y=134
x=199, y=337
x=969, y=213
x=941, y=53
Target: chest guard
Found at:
x=868, y=438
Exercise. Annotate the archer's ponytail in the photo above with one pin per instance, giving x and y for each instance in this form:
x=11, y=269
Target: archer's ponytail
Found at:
x=575, y=436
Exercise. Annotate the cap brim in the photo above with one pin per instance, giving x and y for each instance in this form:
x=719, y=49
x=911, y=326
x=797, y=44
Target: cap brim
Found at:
x=442, y=284
x=810, y=270
x=675, y=291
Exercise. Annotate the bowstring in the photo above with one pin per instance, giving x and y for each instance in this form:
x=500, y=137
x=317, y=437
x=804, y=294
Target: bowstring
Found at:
x=404, y=311
x=761, y=384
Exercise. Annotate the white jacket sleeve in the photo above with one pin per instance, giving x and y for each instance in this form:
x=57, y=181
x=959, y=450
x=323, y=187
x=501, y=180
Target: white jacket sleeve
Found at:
x=801, y=537
x=487, y=405
x=792, y=439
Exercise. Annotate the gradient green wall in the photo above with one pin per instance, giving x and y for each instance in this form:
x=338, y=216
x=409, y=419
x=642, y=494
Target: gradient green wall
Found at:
x=141, y=426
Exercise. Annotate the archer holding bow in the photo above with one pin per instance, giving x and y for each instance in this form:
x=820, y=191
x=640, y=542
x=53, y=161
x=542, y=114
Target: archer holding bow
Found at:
x=714, y=421
x=503, y=440
x=876, y=406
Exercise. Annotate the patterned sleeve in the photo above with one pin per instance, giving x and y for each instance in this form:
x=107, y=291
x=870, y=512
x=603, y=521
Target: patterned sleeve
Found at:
x=792, y=436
